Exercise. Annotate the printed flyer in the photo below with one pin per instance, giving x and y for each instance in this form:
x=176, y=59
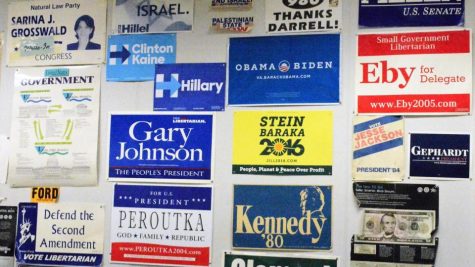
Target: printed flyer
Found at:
x=4, y=154
x=190, y=87
x=234, y=24
x=378, y=148
x=54, y=132
x=414, y=13
x=173, y=147
x=134, y=57
x=162, y=224
x=69, y=234
x=8, y=216
x=414, y=73
x=246, y=259
x=303, y=15
x=283, y=142
x=284, y=70
x=276, y=217
x=48, y=32
x=439, y=156
x=152, y=16
x=227, y=5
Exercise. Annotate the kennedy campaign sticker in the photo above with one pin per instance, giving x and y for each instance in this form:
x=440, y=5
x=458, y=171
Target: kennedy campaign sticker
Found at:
x=246, y=259
x=284, y=70
x=440, y=155
x=133, y=57
x=283, y=142
x=303, y=15
x=402, y=13
x=69, y=234
x=414, y=73
x=282, y=217
x=190, y=86
x=8, y=216
x=378, y=148
x=166, y=225
x=48, y=32
x=152, y=16
x=161, y=147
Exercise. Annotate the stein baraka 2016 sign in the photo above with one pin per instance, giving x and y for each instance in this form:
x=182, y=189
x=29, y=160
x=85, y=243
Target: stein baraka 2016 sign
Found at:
x=283, y=143
x=159, y=147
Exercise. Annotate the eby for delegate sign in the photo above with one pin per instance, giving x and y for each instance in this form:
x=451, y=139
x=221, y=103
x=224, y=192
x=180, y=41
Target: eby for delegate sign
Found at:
x=414, y=73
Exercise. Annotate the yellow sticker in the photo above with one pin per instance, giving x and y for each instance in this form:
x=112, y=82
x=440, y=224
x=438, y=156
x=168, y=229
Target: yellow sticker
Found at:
x=44, y=194
x=283, y=142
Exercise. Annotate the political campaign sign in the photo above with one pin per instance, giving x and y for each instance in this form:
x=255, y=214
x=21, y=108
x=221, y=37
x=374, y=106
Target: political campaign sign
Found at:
x=172, y=147
x=277, y=217
x=152, y=16
x=439, y=155
x=283, y=142
x=227, y=5
x=414, y=73
x=162, y=225
x=67, y=234
x=236, y=24
x=43, y=33
x=246, y=259
x=378, y=148
x=284, y=70
x=190, y=86
x=133, y=57
x=414, y=13
x=54, y=131
x=8, y=216
x=303, y=15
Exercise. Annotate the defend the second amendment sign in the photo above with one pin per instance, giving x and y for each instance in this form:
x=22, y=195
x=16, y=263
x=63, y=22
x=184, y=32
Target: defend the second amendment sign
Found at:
x=283, y=143
x=282, y=217
x=152, y=147
x=414, y=73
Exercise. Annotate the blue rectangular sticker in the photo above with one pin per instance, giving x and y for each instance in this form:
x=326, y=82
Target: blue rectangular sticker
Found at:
x=152, y=147
x=133, y=57
x=440, y=155
x=282, y=217
x=193, y=87
x=283, y=70
x=59, y=234
x=417, y=13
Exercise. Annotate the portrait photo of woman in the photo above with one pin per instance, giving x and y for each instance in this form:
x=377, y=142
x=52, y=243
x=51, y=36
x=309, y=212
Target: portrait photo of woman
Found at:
x=84, y=28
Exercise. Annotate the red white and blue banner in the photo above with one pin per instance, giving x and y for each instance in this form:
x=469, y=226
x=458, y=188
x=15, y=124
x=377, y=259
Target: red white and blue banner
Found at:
x=166, y=225
x=414, y=73
x=378, y=148
x=439, y=156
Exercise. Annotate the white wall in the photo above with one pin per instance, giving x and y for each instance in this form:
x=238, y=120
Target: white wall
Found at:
x=457, y=210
